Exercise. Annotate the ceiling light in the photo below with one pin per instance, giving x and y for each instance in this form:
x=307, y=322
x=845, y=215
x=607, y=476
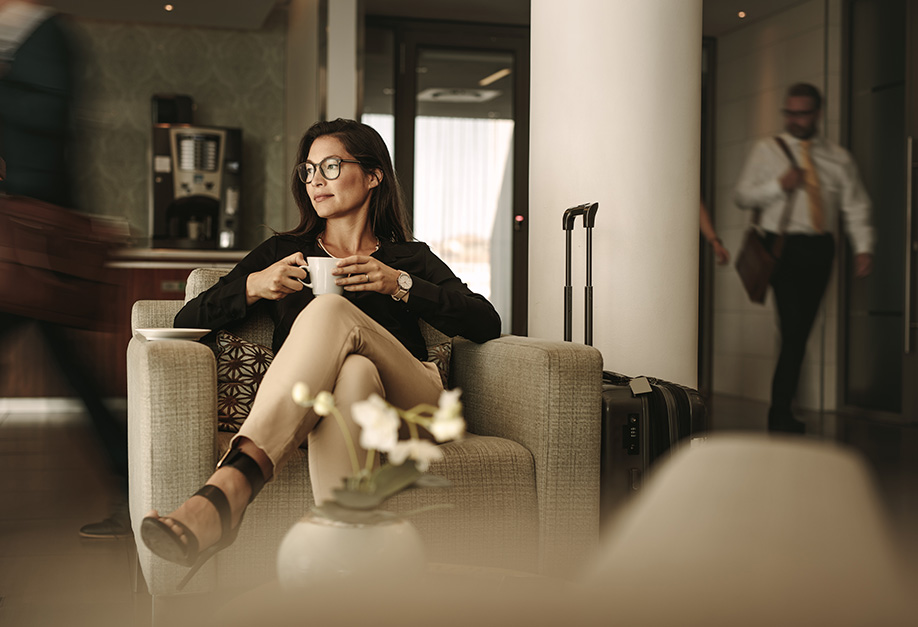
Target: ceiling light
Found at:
x=457, y=95
x=499, y=74
x=741, y=14
x=168, y=7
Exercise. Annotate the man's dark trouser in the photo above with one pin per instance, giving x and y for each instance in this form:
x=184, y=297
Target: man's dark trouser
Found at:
x=799, y=283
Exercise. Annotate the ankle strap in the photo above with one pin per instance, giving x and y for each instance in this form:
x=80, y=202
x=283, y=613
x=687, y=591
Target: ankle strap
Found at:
x=249, y=469
x=216, y=496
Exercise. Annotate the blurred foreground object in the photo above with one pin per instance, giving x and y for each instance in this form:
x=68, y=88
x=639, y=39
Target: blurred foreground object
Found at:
x=740, y=530
x=52, y=263
x=754, y=530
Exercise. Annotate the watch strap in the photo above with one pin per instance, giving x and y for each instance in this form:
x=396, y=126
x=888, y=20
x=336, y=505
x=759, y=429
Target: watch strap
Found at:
x=401, y=291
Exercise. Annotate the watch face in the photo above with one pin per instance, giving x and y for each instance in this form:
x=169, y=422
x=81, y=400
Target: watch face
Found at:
x=404, y=281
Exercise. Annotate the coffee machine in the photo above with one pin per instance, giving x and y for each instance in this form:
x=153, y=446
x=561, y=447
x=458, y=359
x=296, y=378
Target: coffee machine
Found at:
x=197, y=175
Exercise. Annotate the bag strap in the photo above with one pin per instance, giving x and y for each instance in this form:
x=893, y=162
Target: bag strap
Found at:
x=787, y=150
x=785, y=215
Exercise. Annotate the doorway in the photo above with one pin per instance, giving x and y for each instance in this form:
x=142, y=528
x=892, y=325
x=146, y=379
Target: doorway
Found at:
x=452, y=103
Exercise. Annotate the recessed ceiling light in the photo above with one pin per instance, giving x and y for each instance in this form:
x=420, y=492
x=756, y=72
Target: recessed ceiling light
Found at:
x=168, y=7
x=496, y=76
x=741, y=14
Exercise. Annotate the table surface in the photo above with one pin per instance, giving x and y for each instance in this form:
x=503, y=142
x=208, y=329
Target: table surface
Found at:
x=442, y=585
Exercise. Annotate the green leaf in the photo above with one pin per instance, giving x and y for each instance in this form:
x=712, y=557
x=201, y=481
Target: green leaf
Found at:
x=393, y=479
x=387, y=481
x=432, y=481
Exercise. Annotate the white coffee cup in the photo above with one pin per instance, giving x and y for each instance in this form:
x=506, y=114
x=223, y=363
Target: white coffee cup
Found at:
x=322, y=281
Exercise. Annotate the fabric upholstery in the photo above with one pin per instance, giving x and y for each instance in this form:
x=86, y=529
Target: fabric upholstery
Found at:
x=525, y=491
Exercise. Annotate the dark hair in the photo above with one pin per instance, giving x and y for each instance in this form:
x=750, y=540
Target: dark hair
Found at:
x=387, y=214
x=806, y=90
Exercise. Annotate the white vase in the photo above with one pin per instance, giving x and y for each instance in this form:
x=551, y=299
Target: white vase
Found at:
x=317, y=548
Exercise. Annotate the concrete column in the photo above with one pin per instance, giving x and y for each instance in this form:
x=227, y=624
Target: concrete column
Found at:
x=615, y=119
x=344, y=29
x=303, y=87
x=323, y=63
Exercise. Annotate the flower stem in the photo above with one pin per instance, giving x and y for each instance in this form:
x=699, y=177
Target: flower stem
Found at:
x=371, y=457
x=351, y=449
x=423, y=408
x=426, y=508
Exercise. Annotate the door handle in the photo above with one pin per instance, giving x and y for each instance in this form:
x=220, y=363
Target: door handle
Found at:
x=908, y=245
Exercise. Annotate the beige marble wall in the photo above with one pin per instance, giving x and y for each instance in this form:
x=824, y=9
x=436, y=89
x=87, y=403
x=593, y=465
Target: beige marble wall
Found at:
x=236, y=79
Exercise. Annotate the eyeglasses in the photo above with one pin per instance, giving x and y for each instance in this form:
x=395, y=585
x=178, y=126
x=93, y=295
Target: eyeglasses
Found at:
x=792, y=113
x=330, y=166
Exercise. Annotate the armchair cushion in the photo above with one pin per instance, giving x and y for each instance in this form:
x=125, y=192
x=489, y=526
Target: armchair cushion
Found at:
x=241, y=365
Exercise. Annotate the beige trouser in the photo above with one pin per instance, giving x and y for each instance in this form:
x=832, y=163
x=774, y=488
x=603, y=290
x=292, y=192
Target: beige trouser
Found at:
x=333, y=346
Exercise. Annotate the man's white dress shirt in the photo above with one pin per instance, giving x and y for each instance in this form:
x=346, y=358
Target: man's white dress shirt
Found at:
x=840, y=187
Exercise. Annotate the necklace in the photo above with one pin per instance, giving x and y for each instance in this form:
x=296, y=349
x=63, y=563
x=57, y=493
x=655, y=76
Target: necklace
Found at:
x=322, y=246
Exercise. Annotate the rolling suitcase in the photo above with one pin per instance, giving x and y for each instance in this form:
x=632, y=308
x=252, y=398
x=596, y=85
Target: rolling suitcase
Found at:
x=643, y=418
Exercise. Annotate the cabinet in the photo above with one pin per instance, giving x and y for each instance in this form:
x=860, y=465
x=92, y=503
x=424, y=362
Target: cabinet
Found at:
x=28, y=366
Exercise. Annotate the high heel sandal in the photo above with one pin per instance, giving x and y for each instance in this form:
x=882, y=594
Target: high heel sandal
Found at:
x=161, y=540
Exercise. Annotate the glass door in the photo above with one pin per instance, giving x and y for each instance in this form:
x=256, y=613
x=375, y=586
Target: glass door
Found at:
x=463, y=166
x=880, y=354
x=458, y=128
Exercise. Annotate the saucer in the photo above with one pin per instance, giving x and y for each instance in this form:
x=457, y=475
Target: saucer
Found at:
x=173, y=334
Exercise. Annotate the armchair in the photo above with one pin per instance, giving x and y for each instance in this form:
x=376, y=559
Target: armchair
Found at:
x=525, y=485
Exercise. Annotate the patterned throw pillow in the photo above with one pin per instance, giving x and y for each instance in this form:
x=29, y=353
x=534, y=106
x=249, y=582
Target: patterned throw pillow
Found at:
x=241, y=365
x=440, y=355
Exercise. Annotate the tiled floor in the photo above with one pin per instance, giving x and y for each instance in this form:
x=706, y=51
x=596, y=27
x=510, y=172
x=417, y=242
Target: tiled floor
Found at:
x=890, y=451
x=52, y=481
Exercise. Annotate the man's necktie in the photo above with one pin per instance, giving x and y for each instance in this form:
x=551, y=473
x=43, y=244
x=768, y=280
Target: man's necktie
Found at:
x=812, y=187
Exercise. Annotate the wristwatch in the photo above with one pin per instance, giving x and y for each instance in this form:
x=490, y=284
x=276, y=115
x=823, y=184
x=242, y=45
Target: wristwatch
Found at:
x=404, y=284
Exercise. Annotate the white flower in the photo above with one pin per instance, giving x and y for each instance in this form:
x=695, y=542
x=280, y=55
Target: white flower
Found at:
x=447, y=423
x=421, y=451
x=301, y=394
x=324, y=403
x=379, y=423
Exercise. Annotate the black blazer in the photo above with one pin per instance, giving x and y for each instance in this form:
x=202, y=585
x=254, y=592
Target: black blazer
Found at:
x=437, y=296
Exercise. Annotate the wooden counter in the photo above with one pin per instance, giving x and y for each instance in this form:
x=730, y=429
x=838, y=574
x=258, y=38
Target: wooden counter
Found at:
x=28, y=368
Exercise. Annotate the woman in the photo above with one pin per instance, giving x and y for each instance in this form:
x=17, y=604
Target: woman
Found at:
x=353, y=345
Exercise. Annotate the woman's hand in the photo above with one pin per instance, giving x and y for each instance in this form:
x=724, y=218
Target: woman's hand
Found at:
x=277, y=280
x=359, y=273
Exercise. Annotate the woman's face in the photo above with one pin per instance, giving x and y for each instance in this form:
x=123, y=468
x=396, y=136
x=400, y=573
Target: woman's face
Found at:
x=349, y=194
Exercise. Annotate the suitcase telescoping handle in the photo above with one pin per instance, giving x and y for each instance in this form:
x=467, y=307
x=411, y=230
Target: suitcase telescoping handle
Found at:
x=588, y=211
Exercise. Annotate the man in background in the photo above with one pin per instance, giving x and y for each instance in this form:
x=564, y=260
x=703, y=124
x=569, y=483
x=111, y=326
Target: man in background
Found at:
x=822, y=184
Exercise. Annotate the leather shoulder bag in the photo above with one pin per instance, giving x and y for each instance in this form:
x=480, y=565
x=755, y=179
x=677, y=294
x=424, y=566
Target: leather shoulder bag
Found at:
x=755, y=262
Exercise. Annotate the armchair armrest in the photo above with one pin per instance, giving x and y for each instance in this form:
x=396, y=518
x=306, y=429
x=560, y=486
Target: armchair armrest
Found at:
x=154, y=314
x=546, y=396
x=172, y=426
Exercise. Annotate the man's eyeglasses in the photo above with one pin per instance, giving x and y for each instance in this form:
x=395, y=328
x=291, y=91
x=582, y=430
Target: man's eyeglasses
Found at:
x=794, y=113
x=330, y=166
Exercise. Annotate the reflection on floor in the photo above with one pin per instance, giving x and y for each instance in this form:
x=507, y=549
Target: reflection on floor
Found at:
x=890, y=450
x=52, y=481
